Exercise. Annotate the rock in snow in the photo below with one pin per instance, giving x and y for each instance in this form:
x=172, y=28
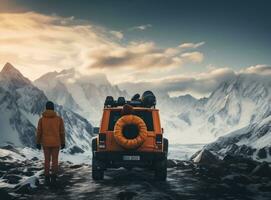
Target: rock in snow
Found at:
x=75, y=149
x=205, y=157
x=262, y=169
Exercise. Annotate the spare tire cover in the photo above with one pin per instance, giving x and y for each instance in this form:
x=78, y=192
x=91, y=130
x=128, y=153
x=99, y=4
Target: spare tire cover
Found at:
x=130, y=143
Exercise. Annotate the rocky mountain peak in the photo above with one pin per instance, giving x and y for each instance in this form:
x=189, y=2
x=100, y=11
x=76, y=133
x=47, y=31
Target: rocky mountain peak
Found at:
x=9, y=72
x=67, y=71
x=9, y=69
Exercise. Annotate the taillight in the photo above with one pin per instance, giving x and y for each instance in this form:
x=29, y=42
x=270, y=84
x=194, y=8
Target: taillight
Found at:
x=159, y=139
x=102, y=140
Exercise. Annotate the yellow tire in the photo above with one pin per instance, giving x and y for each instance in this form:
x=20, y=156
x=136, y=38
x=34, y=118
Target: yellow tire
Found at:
x=130, y=143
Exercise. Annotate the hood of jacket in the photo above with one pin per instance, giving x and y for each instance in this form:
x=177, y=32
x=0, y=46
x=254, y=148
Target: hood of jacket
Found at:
x=49, y=113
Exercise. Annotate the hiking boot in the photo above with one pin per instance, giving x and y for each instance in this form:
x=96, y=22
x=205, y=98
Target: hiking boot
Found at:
x=53, y=180
x=47, y=180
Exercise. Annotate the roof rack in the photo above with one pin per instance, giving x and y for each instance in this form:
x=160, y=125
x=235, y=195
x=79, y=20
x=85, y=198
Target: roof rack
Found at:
x=148, y=100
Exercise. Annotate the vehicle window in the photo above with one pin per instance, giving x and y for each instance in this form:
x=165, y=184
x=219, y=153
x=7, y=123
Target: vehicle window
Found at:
x=145, y=115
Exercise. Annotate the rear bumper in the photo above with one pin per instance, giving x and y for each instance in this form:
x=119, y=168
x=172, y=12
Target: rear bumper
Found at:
x=116, y=159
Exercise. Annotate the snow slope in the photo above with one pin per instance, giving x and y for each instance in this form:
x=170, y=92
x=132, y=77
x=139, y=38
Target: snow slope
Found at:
x=236, y=103
x=233, y=105
x=21, y=105
x=252, y=141
x=81, y=93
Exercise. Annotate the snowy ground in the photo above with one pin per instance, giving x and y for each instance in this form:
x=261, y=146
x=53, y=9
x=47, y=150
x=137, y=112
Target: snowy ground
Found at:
x=21, y=173
x=176, y=151
x=183, y=151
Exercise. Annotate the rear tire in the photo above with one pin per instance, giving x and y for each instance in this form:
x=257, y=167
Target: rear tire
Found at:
x=165, y=145
x=97, y=175
x=97, y=171
x=161, y=166
x=161, y=170
x=94, y=146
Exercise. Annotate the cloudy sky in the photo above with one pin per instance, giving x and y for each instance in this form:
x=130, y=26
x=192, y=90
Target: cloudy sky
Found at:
x=186, y=47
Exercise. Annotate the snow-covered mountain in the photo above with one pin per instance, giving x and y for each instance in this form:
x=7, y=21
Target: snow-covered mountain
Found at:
x=83, y=94
x=233, y=105
x=237, y=115
x=241, y=101
x=21, y=105
x=252, y=141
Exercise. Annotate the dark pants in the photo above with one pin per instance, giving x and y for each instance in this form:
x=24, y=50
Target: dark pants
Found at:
x=50, y=154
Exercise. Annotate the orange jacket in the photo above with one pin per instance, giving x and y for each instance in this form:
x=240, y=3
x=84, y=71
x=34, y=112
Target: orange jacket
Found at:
x=50, y=130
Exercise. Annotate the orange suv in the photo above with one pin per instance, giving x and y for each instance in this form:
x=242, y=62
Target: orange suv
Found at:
x=133, y=139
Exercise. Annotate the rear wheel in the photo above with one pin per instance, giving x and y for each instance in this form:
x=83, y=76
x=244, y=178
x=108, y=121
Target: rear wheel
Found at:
x=161, y=166
x=165, y=145
x=94, y=145
x=161, y=170
x=128, y=168
x=97, y=170
x=97, y=175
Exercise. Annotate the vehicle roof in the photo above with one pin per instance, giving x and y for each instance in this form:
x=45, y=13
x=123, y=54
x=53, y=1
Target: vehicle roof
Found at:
x=135, y=108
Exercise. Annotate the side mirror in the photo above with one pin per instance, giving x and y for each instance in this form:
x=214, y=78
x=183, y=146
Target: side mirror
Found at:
x=96, y=130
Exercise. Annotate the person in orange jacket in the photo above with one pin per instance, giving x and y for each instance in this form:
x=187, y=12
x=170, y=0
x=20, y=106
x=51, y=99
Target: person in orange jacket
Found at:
x=51, y=136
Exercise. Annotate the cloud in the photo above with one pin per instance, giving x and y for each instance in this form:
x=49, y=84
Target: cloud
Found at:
x=141, y=27
x=195, y=56
x=38, y=43
x=191, y=45
x=201, y=84
x=258, y=69
x=117, y=34
x=142, y=55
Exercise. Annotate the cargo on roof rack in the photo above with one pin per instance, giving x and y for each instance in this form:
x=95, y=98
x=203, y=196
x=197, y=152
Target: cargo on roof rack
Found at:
x=148, y=100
